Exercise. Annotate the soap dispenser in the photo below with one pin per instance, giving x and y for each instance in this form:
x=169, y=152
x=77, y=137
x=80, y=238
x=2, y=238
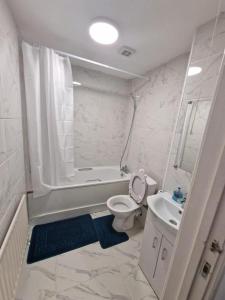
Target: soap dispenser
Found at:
x=178, y=196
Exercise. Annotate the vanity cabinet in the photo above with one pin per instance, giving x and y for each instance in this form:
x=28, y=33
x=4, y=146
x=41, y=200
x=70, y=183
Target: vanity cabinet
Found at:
x=155, y=255
x=162, y=265
x=150, y=249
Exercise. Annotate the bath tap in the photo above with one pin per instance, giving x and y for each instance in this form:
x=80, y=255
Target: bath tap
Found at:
x=124, y=169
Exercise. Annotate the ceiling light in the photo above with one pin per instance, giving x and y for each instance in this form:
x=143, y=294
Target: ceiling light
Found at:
x=103, y=32
x=77, y=83
x=194, y=71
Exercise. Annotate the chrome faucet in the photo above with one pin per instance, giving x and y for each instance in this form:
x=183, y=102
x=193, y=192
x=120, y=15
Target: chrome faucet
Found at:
x=124, y=169
x=184, y=200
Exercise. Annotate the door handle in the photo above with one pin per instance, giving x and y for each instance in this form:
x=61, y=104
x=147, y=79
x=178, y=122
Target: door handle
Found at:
x=155, y=241
x=215, y=247
x=164, y=254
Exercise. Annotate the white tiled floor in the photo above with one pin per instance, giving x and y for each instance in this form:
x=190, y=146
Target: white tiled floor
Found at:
x=89, y=273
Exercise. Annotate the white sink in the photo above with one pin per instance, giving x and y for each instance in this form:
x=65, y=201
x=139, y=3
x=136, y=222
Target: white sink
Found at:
x=166, y=210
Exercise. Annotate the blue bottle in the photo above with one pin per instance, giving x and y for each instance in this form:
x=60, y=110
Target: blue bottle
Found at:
x=178, y=196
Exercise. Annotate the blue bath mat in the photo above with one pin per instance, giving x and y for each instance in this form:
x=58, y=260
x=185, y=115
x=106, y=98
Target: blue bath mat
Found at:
x=58, y=237
x=107, y=236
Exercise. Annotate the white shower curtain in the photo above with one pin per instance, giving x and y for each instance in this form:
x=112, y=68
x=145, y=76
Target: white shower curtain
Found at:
x=49, y=103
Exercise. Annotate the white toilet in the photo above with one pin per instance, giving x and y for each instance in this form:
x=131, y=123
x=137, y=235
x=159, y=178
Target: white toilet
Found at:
x=126, y=207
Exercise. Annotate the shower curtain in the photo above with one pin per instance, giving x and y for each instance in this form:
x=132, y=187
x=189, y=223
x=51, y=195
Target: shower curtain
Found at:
x=49, y=104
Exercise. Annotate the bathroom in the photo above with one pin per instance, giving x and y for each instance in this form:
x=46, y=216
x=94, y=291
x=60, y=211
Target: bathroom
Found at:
x=112, y=153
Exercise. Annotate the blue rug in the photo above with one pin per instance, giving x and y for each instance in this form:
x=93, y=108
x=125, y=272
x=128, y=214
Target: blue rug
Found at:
x=58, y=237
x=107, y=236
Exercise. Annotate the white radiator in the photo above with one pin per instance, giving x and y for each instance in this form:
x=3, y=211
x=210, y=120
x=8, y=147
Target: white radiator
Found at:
x=12, y=252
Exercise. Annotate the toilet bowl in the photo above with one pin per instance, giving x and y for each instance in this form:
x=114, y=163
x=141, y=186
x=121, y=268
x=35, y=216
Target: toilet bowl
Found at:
x=126, y=207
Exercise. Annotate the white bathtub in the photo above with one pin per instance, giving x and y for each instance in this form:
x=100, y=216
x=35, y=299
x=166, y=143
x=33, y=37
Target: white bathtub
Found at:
x=88, y=192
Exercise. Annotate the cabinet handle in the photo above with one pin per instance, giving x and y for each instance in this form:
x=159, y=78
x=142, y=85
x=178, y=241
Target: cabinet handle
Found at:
x=164, y=254
x=155, y=241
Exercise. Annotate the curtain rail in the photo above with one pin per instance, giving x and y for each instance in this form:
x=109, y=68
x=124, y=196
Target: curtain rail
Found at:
x=101, y=65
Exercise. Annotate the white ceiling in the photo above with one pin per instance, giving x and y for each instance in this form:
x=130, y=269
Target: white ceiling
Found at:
x=157, y=29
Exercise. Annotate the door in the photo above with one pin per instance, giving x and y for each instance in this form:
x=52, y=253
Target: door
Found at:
x=150, y=249
x=213, y=258
x=162, y=265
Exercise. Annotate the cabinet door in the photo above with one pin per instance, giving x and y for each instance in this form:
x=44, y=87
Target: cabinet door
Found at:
x=150, y=249
x=162, y=265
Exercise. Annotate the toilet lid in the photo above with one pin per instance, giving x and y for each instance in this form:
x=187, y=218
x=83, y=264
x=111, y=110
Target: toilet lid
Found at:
x=137, y=186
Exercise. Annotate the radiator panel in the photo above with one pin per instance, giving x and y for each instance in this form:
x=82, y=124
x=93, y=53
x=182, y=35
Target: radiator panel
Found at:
x=12, y=252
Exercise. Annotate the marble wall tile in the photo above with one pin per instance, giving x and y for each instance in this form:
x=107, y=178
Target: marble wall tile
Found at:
x=101, y=112
x=157, y=107
x=207, y=52
x=3, y=147
x=12, y=178
x=99, y=80
x=203, y=84
x=202, y=44
x=219, y=35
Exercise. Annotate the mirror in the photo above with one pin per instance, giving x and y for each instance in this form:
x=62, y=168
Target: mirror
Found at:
x=199, y=89
x=195, y=119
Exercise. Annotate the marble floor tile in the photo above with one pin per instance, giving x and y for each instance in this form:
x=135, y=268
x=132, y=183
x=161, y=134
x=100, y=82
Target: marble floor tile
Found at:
x=83, y=265
x=38, y=281
x=105, y=285
x=136, y=283
x=89, y=273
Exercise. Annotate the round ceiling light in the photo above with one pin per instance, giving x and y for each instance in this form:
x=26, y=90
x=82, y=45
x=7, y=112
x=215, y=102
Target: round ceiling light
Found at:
x=194, y=71
x=103, y=32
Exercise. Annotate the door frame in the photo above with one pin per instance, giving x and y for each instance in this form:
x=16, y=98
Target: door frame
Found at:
x=216, y=278
x=205, y=287
x=208, y=183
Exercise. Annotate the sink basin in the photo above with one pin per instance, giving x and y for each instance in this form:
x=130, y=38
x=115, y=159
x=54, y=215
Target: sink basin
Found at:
x=166, y=210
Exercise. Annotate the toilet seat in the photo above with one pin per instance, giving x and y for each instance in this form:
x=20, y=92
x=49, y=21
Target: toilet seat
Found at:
x=138, y=186
x=122, y=203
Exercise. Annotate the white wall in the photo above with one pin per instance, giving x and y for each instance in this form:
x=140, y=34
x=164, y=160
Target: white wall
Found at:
x=207, y=53
x=12, y=179
x=101, y=108
x=155, y=117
